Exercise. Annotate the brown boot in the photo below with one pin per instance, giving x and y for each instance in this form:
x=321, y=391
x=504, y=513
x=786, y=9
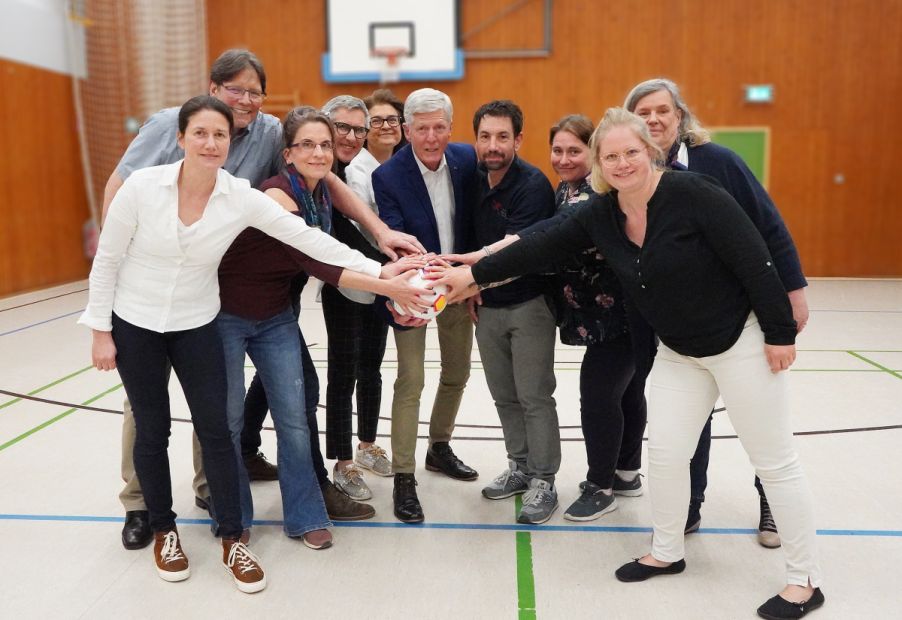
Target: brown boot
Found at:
x=342, y=508
x=243, y=565
x=172, y=565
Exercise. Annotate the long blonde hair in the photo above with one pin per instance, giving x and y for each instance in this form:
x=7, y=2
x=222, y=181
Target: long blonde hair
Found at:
x=619, y=117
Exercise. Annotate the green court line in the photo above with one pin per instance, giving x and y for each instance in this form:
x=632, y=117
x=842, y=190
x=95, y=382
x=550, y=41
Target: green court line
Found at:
x=526, y=585
x=873, y=363
x=28, y=433
x=46, y=387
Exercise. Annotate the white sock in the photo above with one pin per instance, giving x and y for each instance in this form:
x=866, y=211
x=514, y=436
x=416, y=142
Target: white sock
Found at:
x=627, y=475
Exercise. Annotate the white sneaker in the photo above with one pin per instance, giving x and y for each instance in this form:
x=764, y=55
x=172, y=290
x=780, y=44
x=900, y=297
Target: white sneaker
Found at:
x=349, y=481
x=539, y=502
x=375, y=460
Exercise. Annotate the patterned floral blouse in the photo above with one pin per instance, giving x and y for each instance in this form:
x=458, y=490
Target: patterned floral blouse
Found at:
x=588, y=295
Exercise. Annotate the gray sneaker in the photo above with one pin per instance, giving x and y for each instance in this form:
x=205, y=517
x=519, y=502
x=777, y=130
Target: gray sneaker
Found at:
x=591, y=504
x=375, y=460
x=631, y=488
x=350, y=481
x=510, y=482
x=539, y=502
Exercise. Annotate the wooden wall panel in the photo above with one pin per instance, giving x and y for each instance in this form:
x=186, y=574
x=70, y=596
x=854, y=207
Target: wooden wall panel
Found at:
x=42, y=194
x=833, y=65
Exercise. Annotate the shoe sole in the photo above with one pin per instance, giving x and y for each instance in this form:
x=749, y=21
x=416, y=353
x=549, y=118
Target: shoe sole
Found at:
x=609, y=508
x=767, y=545
x=137, y=545
x=693, y=528
x=390, y=474
x=528, y=522
x=174, y=576
x=316, y=547
x=248, y=588
x=420, y=520
x=362, y=517
x=629, y=492
x=505, y=496
x=658, y=573
x=440, y=470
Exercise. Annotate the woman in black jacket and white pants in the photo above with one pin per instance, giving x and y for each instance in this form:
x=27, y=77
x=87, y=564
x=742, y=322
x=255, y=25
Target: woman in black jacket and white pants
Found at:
x=700, y=274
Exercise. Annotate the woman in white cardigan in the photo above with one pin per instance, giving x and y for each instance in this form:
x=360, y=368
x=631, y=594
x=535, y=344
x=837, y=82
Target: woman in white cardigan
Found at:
x=152, y=305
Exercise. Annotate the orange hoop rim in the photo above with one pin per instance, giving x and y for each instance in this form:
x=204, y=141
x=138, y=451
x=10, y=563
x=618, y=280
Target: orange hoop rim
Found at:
x=390, y=53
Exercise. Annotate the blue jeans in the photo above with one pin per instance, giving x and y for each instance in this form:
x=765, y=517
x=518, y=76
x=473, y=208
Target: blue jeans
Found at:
x=275, y=350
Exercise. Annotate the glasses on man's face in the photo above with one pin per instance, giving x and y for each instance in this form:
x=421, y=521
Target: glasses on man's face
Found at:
x=308, y=146
x=631, y=156
x=344, y=129
x=378, y=121
x=236, y=91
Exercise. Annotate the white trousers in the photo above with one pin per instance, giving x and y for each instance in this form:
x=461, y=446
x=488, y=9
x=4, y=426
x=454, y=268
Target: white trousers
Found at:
x=683, y=392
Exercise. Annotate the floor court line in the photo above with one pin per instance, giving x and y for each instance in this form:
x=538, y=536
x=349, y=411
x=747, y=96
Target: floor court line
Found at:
x=502, y=527
x=56, y=318
x=873, y=363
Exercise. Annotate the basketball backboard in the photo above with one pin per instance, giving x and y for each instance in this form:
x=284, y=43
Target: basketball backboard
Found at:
x=422, y=37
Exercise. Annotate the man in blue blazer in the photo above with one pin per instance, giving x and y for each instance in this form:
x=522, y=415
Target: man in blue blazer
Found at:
x=424, y=190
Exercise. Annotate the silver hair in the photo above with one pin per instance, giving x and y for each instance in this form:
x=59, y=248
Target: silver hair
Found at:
x=348, y=102
x=690, y=128
x=427, y=100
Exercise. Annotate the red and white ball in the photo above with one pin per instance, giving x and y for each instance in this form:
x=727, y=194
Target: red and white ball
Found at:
x=436, y=301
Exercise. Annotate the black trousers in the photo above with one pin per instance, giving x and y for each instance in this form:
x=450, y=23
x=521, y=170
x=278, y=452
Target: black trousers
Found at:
x=143, y=358
x=357, y=339
x=612, y=408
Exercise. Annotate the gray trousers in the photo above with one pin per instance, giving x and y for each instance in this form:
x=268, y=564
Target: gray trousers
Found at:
x=516, y=345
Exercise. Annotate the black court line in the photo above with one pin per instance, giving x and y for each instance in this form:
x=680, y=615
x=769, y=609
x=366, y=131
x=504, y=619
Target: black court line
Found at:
x=832, y=431
x=40, y=301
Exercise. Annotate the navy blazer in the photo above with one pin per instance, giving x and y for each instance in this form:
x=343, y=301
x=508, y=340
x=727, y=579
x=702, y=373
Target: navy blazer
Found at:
x=404, y=202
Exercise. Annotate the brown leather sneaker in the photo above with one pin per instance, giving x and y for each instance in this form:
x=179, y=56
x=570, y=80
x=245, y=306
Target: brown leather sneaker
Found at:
x=172, y=565
x=259, y=468
x=318, y=539
x=243, y=565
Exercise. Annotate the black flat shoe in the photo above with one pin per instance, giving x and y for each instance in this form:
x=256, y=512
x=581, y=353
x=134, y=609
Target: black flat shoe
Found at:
x=136, y=533
x=634, y=571
x=778, y=608
x=407, y=504
x=441, y=458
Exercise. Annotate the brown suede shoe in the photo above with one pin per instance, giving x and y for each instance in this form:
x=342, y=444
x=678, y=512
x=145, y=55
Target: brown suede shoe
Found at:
x=172, y=565
x=342, y=508
x=258, y=468
x=243, y=565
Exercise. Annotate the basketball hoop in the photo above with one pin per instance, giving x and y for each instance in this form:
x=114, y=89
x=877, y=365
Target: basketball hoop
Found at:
x=390, y=72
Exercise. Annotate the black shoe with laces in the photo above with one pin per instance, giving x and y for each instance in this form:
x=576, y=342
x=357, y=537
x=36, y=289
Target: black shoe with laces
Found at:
x=767, y=528
x=407, y=504
x=441, y=458
x=694, y=518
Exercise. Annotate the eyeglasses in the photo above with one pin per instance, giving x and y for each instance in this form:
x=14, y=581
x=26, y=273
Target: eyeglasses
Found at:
x=378, y=121
x=610, y=160
x=344, y=129
x=308, y=146
x=236, y=91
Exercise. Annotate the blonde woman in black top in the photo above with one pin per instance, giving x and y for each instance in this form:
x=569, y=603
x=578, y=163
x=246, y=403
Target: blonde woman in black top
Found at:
x=699, y=272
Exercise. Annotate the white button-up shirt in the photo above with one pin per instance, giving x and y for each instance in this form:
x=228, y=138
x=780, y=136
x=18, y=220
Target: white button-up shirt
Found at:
x=441, y=193
x=142, y=273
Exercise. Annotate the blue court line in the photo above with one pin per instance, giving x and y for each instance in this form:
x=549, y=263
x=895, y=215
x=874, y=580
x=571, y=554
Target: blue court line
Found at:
x=512, y=527
x=62, y=316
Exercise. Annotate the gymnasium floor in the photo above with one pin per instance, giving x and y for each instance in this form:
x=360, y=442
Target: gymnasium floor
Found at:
x=60, y=518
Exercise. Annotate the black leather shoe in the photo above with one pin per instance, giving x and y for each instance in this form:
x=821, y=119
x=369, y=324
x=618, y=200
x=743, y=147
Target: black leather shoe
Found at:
x=634, y=571
x=407, y=504
x=136, y=533
x=694, y=517
x=439, y=457
x=204, y=503
x=258, y=468
x=778, y=608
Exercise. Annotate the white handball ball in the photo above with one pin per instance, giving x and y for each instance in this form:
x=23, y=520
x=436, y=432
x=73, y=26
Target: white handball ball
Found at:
x=436, y=301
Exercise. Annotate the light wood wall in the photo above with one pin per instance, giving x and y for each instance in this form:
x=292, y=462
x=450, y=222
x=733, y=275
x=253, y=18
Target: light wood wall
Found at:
x=834, y=67
x=42, y=193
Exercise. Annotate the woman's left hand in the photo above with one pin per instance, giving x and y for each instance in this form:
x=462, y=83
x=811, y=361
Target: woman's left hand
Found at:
x=103, y=350
x=459, y=281
x=405, y=263
x=779, y=357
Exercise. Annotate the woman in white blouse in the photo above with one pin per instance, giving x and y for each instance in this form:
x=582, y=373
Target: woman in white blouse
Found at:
x=152, y=305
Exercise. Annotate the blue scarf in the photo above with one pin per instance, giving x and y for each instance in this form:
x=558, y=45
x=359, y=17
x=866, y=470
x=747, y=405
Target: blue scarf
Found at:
x=316, y=206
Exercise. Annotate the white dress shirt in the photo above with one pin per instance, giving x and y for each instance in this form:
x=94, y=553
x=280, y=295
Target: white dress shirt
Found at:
x=142, y=273
x=441, y=194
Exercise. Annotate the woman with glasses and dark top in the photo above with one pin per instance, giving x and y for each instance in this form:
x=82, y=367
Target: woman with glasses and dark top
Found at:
x=699, y=272
x=687, y=145
x=257, y=319
x=591, y=313
x=152, y=303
